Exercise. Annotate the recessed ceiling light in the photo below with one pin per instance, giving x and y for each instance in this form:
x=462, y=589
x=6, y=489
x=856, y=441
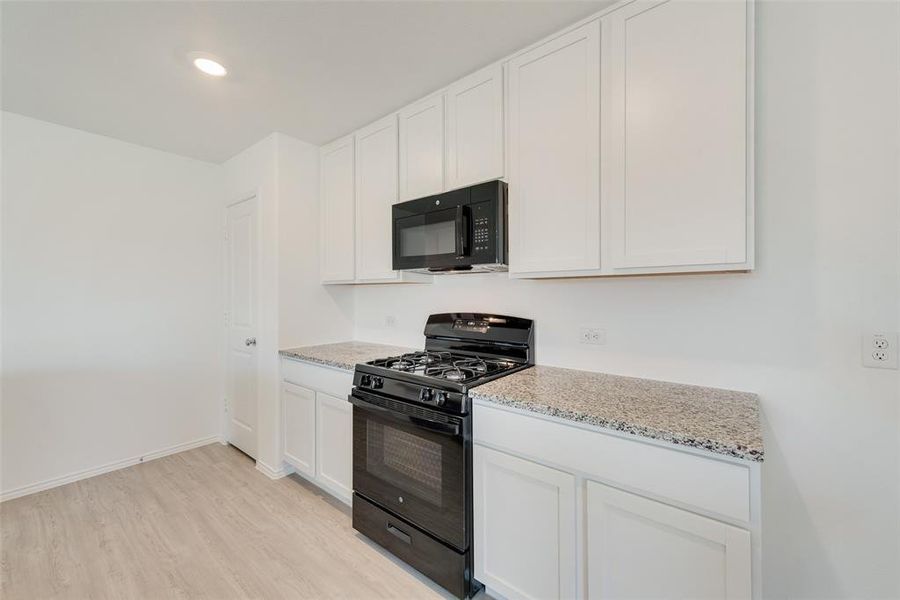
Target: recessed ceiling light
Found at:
x=210, y=67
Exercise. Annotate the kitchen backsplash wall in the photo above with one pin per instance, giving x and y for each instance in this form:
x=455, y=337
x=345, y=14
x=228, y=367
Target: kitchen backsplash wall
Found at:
x=790, y=331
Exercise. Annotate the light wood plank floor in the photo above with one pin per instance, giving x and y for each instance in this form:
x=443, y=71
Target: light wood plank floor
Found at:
x=200, y=524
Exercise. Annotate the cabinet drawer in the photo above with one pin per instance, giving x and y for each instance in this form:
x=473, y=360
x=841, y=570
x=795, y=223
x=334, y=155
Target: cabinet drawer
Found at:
x=336, y=382
x=715, y=486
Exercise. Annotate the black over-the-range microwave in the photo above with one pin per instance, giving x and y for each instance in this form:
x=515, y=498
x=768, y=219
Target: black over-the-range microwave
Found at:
x=462, y=231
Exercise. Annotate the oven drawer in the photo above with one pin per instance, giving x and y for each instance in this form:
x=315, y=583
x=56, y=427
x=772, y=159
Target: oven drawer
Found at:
x=441, y=563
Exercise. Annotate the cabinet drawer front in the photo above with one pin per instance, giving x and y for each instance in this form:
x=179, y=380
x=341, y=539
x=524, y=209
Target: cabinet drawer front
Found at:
x=332, y=381
x=712, y=485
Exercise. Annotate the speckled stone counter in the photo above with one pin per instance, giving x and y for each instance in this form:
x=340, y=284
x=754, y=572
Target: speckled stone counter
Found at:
x=720, y=421
x=342, y=355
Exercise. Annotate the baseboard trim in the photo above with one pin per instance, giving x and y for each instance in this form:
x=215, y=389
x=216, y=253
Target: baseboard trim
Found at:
x=271, y=473
x=47, y=484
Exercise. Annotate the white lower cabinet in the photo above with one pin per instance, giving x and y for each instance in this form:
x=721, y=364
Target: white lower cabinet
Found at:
x=553, y=519
x=525, y=516
x=317, y=425
x=299, y=418
x=334, y=443
x=640, y=548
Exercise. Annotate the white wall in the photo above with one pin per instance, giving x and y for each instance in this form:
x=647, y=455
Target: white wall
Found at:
x=295, y=308
x=309, y=313
x=827, y=192
x=112, y=293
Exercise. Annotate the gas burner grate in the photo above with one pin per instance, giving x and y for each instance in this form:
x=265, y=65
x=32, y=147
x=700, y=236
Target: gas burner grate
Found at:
x=445, y=365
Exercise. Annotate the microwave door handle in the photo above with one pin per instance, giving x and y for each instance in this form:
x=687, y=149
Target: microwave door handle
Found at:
x=460, y=234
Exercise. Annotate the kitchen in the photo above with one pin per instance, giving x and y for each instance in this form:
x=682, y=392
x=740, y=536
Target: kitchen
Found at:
x=660, y=379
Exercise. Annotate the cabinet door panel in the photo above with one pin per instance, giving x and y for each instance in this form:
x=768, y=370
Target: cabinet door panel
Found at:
x=376, y=192
x=639, y=548
x=554, y=154
x=337, y=206
x=524, y=527
x=334, y=436
x=475, y=128
x=422, y=148
x=299, y=414
x=675, y=133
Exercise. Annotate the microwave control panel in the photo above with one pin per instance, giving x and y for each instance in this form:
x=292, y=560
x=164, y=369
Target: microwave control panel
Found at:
x=484, y=229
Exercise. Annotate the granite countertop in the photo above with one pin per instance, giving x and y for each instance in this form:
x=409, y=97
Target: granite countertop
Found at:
x=343, y=355
x=720, y=421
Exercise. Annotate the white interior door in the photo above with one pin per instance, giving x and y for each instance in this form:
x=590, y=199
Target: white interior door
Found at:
x=242, y=322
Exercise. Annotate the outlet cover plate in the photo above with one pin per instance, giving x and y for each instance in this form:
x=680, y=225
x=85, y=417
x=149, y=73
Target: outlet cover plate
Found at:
x=880, y=349
x=592, y=335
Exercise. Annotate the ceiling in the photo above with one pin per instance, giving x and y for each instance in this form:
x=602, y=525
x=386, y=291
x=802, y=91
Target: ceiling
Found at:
x=312, y=70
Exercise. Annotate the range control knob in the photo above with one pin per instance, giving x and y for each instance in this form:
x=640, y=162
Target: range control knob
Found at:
x=377, y=383
x=365, y=381
x=440, y=398
x=426, y=395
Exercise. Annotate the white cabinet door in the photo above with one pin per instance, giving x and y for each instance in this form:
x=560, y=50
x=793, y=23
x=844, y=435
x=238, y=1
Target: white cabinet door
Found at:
x=676, y=117
x=376, y=192
x=337, y=208
x=475, y=128
x=334, y=451
x=554, y=155
x=422, y=148
x=639, y=548
x=299, y=426
x=525, y=545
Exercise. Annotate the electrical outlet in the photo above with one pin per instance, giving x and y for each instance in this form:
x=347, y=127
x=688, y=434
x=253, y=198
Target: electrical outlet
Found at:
x=390, y=321
x=592, y=335
x=880, y=350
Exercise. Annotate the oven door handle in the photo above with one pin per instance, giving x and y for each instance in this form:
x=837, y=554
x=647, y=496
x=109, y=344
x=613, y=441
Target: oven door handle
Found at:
x=452, y=429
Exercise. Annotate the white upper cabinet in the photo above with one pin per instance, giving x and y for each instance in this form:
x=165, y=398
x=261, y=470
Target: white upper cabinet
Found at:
x=475, y=128
x=337, y=209
x=639, y=548
x=376, y=192
x=554, y=156
x=422, y=148
x=677, y=109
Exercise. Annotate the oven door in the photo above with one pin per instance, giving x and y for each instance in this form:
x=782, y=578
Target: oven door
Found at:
x=437, y=239
x=411, y=461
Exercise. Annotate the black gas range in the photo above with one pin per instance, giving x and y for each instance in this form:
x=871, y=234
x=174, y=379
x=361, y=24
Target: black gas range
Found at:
x=412, y=440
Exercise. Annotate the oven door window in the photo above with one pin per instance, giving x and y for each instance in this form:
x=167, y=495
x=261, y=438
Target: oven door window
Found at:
x=433, y=239
x=411, y=470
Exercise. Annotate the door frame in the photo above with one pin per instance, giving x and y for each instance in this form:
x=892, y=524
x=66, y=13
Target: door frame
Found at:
x=253, y=194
